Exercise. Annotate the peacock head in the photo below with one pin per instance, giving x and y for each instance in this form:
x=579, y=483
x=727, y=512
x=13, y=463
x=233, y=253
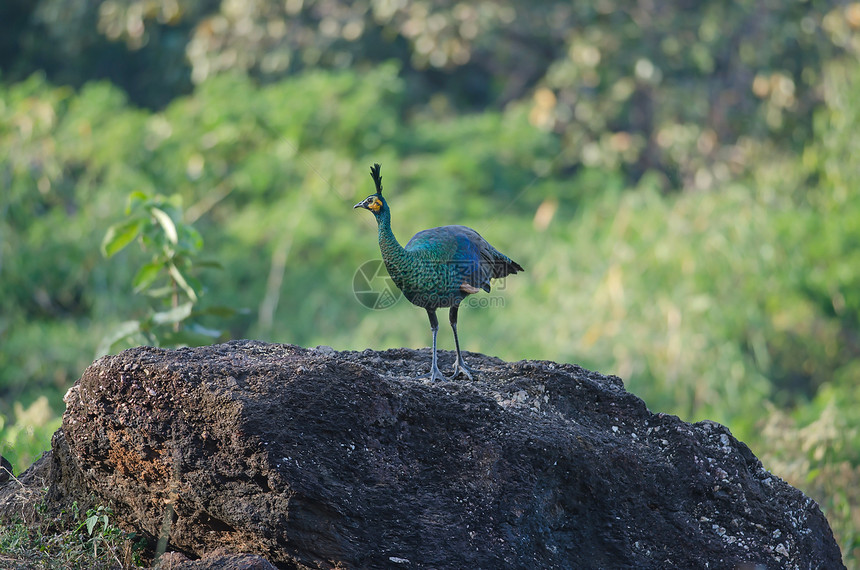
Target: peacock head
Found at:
x=375, y=202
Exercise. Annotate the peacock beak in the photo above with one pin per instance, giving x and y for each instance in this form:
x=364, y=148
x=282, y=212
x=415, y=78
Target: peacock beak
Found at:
x=364, y=203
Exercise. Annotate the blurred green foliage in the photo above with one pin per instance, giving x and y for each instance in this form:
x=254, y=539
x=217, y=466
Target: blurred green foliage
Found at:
x=678, y=180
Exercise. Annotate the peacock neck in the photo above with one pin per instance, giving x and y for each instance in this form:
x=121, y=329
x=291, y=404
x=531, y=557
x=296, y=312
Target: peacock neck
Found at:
x=392, y=251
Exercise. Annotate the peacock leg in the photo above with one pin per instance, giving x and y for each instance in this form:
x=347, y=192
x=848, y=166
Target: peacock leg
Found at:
x=435, y=374
x=459, y=364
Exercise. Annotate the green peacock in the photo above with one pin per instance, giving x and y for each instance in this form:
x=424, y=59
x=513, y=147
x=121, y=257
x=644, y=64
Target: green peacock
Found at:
x=438, y=268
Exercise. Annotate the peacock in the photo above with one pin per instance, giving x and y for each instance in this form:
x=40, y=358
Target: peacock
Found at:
x=438, y=268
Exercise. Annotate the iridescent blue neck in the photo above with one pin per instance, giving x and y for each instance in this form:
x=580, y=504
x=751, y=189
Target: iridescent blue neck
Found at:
x=392, y=251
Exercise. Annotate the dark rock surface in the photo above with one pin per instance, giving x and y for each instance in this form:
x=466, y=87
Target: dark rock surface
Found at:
x=321, y=459
x=220, y=559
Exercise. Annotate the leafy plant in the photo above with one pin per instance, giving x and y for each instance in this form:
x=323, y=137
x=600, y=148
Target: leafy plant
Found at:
x=168, y=278
x=108, y=532
x=70, y=540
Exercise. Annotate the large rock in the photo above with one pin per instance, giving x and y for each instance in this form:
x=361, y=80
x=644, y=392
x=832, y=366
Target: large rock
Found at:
x=317, y=459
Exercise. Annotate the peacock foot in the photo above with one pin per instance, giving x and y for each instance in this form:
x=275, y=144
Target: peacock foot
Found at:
x=434, y=374
x=461, y=368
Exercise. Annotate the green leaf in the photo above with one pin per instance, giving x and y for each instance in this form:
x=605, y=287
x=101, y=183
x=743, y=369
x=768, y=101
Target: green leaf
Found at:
x=146, y=275
x=175, y=315
x=134, y=198
x=91, y=523
x=166, y=223
x=180, y=280
x=160, y=292
x=120, y=235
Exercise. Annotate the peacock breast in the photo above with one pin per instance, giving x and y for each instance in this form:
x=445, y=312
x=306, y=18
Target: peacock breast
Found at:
x=428, y=282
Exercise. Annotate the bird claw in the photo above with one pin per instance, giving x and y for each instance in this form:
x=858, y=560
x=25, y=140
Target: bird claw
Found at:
x=461, y=368
x=434, y=374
